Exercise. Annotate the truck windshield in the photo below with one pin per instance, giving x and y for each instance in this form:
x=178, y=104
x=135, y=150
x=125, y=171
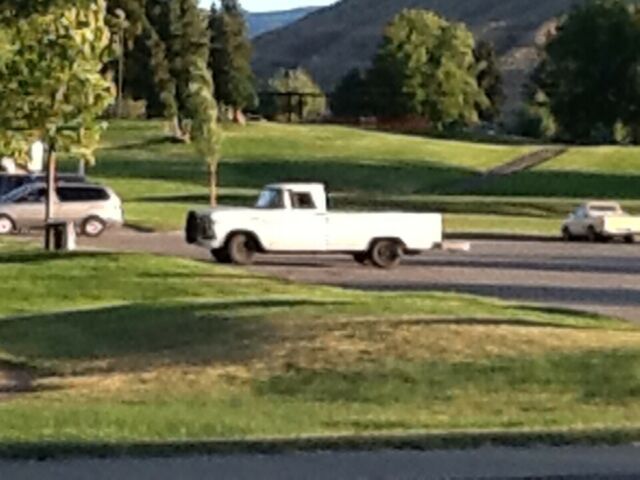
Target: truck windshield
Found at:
x=270, y=199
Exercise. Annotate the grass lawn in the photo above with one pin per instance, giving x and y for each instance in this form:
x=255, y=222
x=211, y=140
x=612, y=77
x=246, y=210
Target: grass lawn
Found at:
x=131, y=347
x=160, y=181
x=581, y=173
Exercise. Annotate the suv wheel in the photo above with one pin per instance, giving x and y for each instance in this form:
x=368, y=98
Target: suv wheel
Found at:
x=6, y=225
x=241, y=249
x=386, y=253
x=93, y=227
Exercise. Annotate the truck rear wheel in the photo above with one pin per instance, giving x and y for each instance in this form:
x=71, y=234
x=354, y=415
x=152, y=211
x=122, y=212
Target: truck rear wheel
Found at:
x=630, y=239
x=241, y=249
x=220, y=255
x=386, y=253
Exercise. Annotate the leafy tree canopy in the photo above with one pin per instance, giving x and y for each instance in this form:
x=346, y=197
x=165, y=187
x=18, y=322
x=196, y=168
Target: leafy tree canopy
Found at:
x=426, y=66
x=51, y=75
x=591, y=70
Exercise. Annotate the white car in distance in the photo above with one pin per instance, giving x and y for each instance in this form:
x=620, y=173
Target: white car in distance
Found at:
x=294, y=218
x=601, y=222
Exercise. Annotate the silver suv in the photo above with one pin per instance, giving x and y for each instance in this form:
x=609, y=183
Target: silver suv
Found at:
x=91, y=207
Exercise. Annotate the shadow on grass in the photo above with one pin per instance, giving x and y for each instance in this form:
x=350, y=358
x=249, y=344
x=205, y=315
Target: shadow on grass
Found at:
x=610, y=377
x=392, y=177
x=29, y=257
x=161, y=140
x=569, y=184
x=135, y=337
x=560, y=293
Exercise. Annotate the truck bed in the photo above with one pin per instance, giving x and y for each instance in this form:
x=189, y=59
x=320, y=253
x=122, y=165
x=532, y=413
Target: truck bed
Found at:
x=621, y=225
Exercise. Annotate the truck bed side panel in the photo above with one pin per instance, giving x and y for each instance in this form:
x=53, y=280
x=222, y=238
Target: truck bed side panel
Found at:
x=354, y=231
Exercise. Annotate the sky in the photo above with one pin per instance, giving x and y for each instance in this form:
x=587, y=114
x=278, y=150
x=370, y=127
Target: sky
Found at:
x=272, y=5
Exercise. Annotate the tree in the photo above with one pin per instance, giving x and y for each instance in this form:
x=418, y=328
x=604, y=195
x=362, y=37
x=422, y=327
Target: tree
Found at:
x=425, y=66
x=591, y=70
x=53, y=88
x=294, y=95
x=230, y=61
x=489, y=78
x=351, y=98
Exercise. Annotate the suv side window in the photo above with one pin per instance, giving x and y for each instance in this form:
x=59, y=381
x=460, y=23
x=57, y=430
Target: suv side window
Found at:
x=83, y=194
x=36, y=195
x=301, y=201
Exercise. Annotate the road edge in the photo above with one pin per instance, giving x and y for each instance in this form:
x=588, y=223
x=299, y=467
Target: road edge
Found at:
x=354, y=443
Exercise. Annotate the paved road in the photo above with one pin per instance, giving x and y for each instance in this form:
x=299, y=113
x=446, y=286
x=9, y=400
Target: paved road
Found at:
x=620, y=463
x=595, y=278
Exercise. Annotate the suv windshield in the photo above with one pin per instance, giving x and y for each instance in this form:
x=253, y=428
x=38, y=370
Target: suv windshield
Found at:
x=16, y=194
x=270, y=199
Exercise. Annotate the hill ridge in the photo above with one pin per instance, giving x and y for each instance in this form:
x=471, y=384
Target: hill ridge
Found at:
x=331, y=41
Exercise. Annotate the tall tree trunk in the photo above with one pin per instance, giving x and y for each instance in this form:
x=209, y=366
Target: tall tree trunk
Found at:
x=213, y=184
x=120, y=75
x=50, y=203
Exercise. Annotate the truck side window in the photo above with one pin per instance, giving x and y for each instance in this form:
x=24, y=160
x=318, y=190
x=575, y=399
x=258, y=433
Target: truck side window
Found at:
x=302, y=201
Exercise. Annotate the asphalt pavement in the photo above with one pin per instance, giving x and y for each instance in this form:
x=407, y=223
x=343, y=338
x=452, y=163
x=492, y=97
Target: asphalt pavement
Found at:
x=569, y=463
x=596, y=278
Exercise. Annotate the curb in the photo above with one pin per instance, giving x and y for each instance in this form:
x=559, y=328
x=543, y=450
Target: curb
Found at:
x=420, y=442
x=505, y=237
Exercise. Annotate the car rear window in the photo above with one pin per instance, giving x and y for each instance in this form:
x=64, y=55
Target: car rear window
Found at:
x=604, y=208
x=82, y=194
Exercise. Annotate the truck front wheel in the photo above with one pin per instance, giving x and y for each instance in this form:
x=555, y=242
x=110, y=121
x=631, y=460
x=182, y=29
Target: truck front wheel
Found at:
x=592, y=235
x=220, y=255
x=386, y=253
x=362, y=258
x=241, y=249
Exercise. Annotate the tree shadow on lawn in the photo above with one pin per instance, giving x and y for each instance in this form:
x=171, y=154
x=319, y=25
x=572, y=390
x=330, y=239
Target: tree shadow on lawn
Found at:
x=138, y=336
x=392, y=177
x=568, y=184
x=40, y=256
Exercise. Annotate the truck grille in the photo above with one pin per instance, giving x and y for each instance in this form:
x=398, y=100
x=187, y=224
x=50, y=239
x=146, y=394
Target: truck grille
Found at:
x=198, y=227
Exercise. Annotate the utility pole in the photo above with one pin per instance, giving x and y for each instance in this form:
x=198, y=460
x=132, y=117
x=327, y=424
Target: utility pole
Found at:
x=50, y=202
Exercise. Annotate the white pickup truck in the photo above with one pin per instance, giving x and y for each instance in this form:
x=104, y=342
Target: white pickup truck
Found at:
x=294, y=218
x=601, y=221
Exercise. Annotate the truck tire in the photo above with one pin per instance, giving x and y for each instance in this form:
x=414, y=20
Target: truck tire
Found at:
x=362, y=258
x=220, y=255
x=567, y=236
x=386, y=253
x=630, y=239
x=241, y=249
x=592, y=235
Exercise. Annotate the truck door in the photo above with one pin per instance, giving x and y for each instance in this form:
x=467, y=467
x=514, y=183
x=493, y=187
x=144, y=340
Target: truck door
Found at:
x=307, y=230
